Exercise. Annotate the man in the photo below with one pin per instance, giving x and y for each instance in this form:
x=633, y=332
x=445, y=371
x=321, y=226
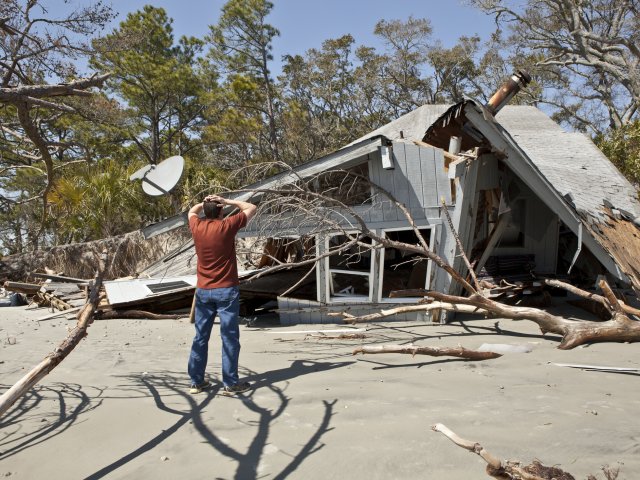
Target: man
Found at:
x=217, y=289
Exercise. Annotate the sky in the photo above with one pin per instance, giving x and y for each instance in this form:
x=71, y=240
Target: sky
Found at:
x=305, y=24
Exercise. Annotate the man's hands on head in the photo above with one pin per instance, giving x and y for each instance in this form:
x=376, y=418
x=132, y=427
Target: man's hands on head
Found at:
x=216, y=198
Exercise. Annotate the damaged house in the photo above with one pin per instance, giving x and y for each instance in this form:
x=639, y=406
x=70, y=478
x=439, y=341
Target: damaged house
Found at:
x=526, y=198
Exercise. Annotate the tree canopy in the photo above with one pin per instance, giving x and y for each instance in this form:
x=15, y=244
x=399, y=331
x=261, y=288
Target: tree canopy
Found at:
x=67, y=149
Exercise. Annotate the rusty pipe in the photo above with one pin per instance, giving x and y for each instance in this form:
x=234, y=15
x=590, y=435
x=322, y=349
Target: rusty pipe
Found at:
x=518, y=81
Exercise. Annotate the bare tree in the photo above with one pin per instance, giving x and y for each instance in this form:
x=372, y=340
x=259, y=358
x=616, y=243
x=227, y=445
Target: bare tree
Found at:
x=39, y=84
x=589, y=50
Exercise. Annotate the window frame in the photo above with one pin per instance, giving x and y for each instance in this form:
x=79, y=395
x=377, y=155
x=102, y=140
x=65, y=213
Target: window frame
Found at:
x=329, y=270
x=431, y=242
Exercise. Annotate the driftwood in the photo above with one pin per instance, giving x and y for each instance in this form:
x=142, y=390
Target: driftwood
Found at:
x=503, y=469
x=459, y=352
x=342, y=336
x=85, y=318
x=138, y=314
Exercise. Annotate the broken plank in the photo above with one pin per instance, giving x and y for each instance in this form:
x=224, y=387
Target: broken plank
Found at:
x=22, y=287
x=58, y=314
x=59, y=278
x=597, y=367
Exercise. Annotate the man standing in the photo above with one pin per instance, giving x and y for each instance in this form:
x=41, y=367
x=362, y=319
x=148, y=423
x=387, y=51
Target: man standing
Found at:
x=217, y=291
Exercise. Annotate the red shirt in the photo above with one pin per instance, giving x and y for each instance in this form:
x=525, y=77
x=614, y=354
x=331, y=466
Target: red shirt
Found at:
x=215, y=242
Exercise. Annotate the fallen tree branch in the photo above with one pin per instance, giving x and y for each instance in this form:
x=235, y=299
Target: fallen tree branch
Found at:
x=574, y=332
x=137, y=314
x=413, y=350
x=348, y=318
x=85, y=318
x=590, y=296
x=502, y=469
x=342, y=336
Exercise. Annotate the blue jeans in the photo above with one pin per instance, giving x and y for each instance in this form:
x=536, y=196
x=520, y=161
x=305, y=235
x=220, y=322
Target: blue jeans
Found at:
x=225, y=302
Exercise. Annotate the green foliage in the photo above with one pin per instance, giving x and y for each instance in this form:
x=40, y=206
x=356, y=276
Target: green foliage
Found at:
x=159, y=82
x=215, y=102
x=622, y=147
x=95, y=202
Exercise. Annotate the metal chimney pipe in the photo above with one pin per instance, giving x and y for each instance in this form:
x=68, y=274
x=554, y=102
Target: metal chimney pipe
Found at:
x=518, y=80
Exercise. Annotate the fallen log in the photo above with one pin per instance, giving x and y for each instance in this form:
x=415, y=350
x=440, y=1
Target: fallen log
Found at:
x=505, y=469
x=85, y=318
x=21, y=287
x=413, y=350
x=136, y=314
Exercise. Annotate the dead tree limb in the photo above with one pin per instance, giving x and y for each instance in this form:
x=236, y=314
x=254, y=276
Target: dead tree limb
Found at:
x=590, y=296
x=573, y=332
x=503, y=469
x=85, y=318
x=413, y=350
x=137, y=314
x=348, y=318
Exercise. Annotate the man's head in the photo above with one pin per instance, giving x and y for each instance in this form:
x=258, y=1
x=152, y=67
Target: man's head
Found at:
x=211, y=209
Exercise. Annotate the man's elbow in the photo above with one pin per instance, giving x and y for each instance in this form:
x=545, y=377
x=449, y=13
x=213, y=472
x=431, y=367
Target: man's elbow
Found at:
x=250, y=212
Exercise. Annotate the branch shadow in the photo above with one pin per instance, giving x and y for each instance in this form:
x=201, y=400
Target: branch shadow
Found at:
x=385, y=366
x=72, y=400
x=164, y=385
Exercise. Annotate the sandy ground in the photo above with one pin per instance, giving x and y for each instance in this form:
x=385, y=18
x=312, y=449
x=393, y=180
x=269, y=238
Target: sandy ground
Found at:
x=118, y=406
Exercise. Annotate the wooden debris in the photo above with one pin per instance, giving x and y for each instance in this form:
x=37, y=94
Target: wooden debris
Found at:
x=599, y=368
x=58, y=314
x=85, y=318
x=21, y=287
x=58, y=278
x=505, y=469
x=413, y=350
x=46, y=299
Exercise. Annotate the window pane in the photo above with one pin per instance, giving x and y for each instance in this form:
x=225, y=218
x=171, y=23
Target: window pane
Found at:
x=346, y=285
x=404, y=270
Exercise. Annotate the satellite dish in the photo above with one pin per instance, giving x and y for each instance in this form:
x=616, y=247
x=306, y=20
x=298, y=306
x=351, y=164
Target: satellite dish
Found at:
x=160, y=179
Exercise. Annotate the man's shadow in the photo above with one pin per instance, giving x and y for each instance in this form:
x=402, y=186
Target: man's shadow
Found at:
x=247, y=461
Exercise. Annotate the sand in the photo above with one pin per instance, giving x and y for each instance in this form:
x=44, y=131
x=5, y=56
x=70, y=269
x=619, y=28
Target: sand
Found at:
x=118, y=406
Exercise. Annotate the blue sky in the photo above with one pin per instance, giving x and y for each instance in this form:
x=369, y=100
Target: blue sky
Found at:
x=304, y=24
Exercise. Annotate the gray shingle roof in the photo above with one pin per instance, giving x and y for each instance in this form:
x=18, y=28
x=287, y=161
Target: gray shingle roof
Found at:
x=570, y=161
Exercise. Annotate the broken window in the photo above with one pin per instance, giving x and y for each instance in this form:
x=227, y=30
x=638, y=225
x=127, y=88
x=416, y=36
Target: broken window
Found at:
x=350, y=268
x=403, y=270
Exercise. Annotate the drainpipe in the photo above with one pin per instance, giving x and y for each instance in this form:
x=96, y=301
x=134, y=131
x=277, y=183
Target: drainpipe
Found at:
x=505, y=93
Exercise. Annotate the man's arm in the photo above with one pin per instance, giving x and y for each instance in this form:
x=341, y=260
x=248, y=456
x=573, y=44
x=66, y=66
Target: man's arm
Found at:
x=195, y=210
